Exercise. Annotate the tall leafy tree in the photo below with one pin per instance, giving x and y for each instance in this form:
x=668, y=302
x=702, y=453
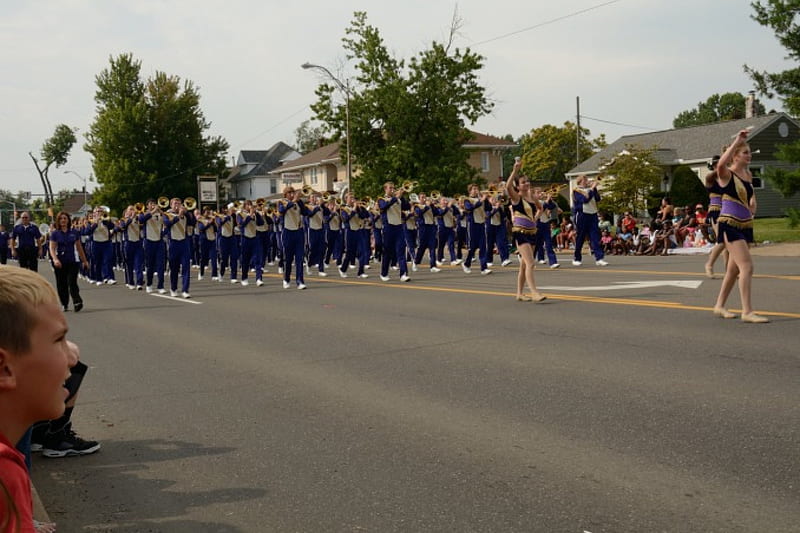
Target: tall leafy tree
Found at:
x=147, y=138
x=308, y=138
x=55, y=151
x=779, y=15
x=716, y=108
x=407, y=121
x=629, y=178
x=549, y=152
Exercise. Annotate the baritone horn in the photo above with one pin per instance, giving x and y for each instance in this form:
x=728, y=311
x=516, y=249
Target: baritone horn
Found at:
x=163, y=202
x=190, y=203
x=435, y=195
x=139, y=208
x=307, y=190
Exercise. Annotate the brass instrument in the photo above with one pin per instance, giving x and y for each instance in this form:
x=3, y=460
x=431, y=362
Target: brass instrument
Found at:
x=555, y=190
x=139, y=207
x=260, y=202
x=413, y=198
x=307, y=190
x=435, y=195
x=163, y=202
x=338, y=201
x=408, y=186
x=190, y=203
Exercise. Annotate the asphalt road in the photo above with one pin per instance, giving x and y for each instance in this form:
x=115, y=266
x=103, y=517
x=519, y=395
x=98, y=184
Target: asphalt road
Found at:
x=439, y=405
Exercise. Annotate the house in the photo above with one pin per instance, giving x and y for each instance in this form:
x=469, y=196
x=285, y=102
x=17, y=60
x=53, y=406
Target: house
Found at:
x=251, y=178
x=77, y=203
x=694, y=146
x=325, y=170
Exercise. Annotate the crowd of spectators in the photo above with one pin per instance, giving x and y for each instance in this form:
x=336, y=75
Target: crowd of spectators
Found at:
x=672, y=228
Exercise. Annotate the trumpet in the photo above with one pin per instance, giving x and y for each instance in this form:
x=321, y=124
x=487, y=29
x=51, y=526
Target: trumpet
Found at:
x=555, y=190
x=190, y=203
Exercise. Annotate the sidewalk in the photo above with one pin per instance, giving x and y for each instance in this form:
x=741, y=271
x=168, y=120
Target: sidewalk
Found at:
x=778, y=249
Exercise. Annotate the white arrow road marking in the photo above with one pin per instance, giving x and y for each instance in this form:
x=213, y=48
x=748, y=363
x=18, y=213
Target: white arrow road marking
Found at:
x=624, y=285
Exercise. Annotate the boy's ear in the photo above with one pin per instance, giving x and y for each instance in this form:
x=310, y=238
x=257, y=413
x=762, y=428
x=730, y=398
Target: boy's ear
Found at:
x=7, y=379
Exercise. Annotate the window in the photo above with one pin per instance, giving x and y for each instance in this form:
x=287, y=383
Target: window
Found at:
x=273, y=186
x=484, y=161
x=313, y=175
x=758, y=182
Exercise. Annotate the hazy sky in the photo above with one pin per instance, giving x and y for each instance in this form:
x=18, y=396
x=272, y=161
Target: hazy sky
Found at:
x=634, y=62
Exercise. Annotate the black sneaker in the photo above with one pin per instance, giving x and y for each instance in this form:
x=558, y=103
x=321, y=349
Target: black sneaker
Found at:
x=78, y=306
x=66, y=442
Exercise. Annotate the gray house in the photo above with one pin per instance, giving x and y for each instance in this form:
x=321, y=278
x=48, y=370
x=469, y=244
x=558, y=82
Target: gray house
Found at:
x=694, y=146
x=251, y=178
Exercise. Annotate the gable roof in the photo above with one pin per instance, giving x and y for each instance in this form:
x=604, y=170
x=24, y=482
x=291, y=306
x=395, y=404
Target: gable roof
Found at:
x=689, y=144
x=264, y=161
x=74, y=202
x=325, y=154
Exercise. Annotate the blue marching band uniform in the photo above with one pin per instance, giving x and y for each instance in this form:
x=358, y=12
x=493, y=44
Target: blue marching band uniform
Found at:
x=308, y=233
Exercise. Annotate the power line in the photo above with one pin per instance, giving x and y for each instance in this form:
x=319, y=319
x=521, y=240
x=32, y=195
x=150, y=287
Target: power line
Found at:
x=621, y=123
x=535, y=26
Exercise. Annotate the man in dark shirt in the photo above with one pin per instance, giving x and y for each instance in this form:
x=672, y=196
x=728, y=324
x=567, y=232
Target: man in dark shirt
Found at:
x=4, y=238
x=26, y=243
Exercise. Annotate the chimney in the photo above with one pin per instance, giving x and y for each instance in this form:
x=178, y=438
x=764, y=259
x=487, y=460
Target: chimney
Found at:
x=750, y=105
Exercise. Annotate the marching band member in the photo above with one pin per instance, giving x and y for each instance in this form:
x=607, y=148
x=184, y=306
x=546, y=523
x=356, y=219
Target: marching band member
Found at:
x=544, y=240
x=292, y=209
x=228, y=246
x=461, y=230
x=318, y=212
x=377, y=233
x=176, y=221
x=262, y=234
x=333, y=234
x=736, y=227
x=476, y=208
x=712, y=216
x=410, y=233
x=247, y=220
x=585, y=198
x=25, y=243
x=154, y=255
x=65, y=251
x=447, y=221
x=525, y=210
x=426, y=213
x=102, y=230
x=134, y=252
x=496, y=232
x=207, y=231
x=353, y=216
x=392, y=206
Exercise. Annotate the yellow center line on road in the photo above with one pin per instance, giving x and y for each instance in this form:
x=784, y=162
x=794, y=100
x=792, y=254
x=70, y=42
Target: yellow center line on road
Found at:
x=566, y=297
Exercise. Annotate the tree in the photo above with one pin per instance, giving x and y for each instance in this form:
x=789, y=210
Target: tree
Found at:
x=780, y=16
x=308, y=138
x=406, y=123
x=628, y=179
x=716, y=108
x=55, y=151
x=147, y=138
x=686, y=188
x=549, y=152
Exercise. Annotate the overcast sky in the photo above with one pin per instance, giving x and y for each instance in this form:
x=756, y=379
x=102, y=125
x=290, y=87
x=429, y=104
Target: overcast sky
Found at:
x=633, y=62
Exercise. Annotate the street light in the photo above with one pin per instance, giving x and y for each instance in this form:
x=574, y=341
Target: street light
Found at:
x=346, y=91
x=85, y=198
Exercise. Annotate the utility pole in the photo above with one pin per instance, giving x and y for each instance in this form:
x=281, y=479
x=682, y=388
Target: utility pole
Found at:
x=578, y=131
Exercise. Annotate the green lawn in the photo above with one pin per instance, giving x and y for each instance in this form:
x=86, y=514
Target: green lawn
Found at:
x=775, y=230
